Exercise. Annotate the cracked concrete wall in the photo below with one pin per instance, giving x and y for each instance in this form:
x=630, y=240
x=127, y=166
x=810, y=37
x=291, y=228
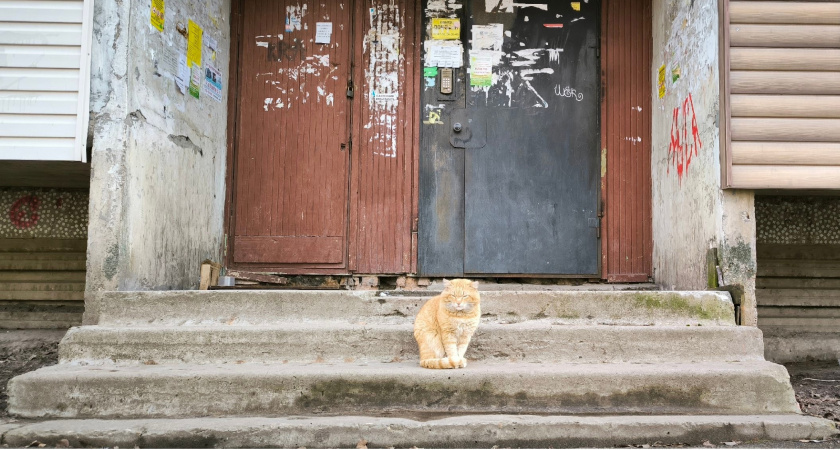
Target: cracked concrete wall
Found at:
x=691, y=213
x=157, y=182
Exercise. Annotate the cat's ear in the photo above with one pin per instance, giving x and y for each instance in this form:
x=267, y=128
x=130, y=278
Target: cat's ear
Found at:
x=475, y=284
x=446, y=282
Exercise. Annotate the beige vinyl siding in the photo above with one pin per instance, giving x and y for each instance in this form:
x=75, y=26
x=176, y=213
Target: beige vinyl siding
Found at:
x=44, y=79
x=784, y=94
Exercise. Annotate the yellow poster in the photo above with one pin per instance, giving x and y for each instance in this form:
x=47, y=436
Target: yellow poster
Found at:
x=194, y=45
x=576, y=6
x=157, y=14
x=446, y=29
x=662, y=81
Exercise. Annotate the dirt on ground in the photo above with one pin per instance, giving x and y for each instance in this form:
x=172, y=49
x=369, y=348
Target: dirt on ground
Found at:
x=23, y=351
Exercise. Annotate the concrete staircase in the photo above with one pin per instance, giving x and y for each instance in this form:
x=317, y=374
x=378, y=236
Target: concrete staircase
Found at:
x=295, y=355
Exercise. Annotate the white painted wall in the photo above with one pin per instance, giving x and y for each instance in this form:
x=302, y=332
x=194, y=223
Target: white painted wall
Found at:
x=44, y=79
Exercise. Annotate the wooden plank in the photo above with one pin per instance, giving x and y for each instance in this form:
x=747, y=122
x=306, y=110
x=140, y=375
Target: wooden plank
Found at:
x=260, y=277
x=275, y=249
x=42, y=276
x=29, y=265
x=786, y=177
x=804, y=252
x=815, y=59
x=786, y=153
x=43, y=245
x=783, y=268
x=26, y=125
x=800, y=312
x=792, y=83
x=786, y=130
x=804, y=106
x=784, y=12
x=815, y=323
x=799, y=297
x=41, y=56
x=808, y=36
x=35, y=102
x=41, y=287
x=18, y=79
x=43, y=256
x=796, y=283
x=16, y=33
x=41, y=11
x=42, y=295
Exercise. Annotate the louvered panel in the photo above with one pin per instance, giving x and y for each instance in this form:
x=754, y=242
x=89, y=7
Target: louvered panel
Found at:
x=786, y=153
x=786, y=177
x=34, y=102
x=814, y=59
x=383, y=142
x=811, y=106
x=40, y=56
x=795, y=83
x=784, y=12
x=14, y=125
x=809, y=36
x=17, y=33
x=789, y=130
x=35, y=148
x=15, y=79
x=626, y=185
x=43, y=11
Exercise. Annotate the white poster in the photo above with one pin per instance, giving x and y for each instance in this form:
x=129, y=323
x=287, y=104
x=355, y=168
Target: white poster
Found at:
x=444, y=54
x=323, y=32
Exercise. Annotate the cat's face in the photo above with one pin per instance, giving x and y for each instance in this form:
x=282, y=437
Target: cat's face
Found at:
x=460, y=296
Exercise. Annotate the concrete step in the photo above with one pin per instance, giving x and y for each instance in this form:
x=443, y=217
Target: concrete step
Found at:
x=529, y=341
x=477, y=431
x=38, y=264
x=166, y=308
x=785, y=346
x=70, y=391
x=42, y=277
x=42, y=295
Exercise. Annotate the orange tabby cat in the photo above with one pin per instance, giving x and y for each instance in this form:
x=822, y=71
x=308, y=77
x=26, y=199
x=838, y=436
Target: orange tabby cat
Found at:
x=445, y=324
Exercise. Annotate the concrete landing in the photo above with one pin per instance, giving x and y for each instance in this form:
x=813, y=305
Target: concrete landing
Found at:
x=475, y=431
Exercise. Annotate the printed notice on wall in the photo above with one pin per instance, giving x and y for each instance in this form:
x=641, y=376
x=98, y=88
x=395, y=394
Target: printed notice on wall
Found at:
x=446, y=29
x=662, y=81
x=323, y=32
x=182, y=76
x=213, y=83
x=195, y=80
x=168, y=65
x=481, y=68
x=157, y=18
x=194, y=44
x=444, y=54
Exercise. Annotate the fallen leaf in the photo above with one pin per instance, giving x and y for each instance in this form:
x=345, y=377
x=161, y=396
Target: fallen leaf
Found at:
x=361, y=444
x=731, y=443
x=708, y=444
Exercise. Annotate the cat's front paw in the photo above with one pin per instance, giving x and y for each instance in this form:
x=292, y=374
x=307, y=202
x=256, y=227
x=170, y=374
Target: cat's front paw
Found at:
x=458, y=362
x=463, y=363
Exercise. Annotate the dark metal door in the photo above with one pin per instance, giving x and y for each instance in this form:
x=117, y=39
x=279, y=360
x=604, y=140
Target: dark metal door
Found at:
x=529, y=140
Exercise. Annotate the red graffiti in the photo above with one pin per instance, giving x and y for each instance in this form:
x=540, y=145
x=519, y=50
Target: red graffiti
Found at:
x=681, y=150
x=24, y=212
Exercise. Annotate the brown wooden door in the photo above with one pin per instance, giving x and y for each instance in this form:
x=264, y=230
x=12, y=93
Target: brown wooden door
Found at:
x=292, y=135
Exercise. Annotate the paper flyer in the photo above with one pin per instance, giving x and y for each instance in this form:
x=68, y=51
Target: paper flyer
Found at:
x=194, y=44
x=481, y=68
x=195, y=81
x=213, y=83
x=444, y=54
x=157, y=16
x=323, y=32
x=182, y=76
x=446, y=29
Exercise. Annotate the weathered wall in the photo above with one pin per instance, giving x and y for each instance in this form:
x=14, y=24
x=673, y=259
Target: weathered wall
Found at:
x=690, y=212
x=157, y=182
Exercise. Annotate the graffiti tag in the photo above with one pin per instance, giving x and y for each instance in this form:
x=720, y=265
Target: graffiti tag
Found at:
x=568, y=92
x=682, y=149
x=24, y=212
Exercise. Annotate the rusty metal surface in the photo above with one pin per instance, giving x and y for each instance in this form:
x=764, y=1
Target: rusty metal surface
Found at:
x=626, y=131
x=385, y=129
x=293, y=133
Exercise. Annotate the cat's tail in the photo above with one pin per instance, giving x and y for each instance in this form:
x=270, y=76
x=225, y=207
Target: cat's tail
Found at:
x=438, y=363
